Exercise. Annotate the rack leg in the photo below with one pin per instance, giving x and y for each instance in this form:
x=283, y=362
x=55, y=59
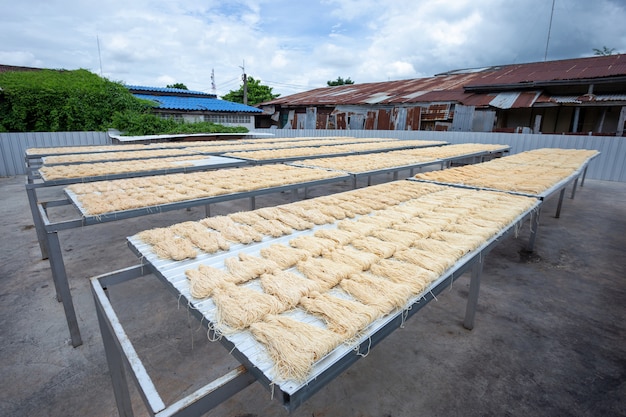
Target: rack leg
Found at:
x=582, y=181
x=534, y=226
x=32, y=202
x=252, y=203
x=558, y=207
x=574, y=188
x=116, y=366
x=472, y=300
x=63, y=287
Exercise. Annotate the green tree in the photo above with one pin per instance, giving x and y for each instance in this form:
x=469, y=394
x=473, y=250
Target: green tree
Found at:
x=61, y=100
x=339, y=81
x=603, y=51
x=257, y=93
x=180, y=86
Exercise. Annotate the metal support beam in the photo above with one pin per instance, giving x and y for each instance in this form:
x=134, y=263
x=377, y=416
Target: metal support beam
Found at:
x=472, y=301
x=574, y=188
x=62, y=286
x=41, y=234
x=534, y=227
x=560, y=204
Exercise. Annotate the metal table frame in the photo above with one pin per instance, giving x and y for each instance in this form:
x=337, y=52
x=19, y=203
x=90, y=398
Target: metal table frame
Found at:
x=50, y=232
x=476, y=157
x=122, y=358
x=35, y=182
x=573, y=178
x=298, y=158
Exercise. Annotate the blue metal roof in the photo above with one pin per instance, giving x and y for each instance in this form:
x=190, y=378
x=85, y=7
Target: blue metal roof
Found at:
x=167, y=90
x=198, y=103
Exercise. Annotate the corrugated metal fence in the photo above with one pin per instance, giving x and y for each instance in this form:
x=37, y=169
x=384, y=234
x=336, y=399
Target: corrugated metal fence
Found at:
x=610, y=166
x=13, y=146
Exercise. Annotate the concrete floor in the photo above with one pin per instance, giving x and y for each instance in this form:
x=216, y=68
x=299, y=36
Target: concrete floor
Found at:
x=549, y=339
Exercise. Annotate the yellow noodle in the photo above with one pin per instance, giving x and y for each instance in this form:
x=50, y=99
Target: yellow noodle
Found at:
x=376, y=246
x=425, y=259
x=326, y=272
x=288, y=287
x=205, y=279
x=315, y=245
x=416, y=277
x=353, y=257
x=342, y=237
x=272, y=228
x=284, y=256
x=342, y=316
x=293, y=346
x=248, y=267
x=239, y=306
x=401, y=239
x=380, y=293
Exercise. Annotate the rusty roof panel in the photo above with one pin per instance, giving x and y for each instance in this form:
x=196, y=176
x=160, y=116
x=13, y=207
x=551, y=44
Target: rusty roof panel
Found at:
x=567, y=69
x=457, y=86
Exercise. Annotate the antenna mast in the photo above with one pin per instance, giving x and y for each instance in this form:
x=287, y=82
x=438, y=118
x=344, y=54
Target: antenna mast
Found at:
x=213, y=89
x=99, y=56
x=545, y=56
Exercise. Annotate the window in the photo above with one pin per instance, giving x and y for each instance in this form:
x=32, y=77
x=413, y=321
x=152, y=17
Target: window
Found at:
x=227, y=118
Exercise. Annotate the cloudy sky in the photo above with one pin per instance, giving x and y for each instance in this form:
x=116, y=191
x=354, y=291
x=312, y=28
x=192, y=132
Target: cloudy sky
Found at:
x=298, y=45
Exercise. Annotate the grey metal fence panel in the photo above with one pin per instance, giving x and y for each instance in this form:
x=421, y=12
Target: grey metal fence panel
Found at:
x=610, y=166
x=13, y=146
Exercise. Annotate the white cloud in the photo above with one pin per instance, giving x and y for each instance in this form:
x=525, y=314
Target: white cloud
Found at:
x=299, y=45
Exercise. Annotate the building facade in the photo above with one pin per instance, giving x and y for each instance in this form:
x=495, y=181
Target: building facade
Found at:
x=585, y=95
x=196, y=106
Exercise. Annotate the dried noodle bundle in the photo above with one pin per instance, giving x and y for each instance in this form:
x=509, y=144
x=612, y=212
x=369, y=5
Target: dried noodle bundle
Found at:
x=400, y=238
x=326, y=272
x=416, y=277
x=284, y=256
x=315, y=245
x=294, y=346
x=205, y=279
x=376, y=246
x=353, y=257
x=288, y=287
x=425, y=259
x=377, y=292
x=248, y=267
x=342, y=237
x=207, y=240
x=231, y=230
x=342, y=316
x=272, y=228
x=239, y=306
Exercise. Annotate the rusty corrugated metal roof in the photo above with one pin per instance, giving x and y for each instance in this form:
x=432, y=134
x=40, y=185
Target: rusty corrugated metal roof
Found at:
x=553, y=71
x=457, y=86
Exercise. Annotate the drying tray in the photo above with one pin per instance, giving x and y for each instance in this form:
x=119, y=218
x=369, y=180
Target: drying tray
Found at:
x=251, y=354
x=558, y=186
x=415, y=165
x=241, y=155
x=88, y=219
x=214, y=162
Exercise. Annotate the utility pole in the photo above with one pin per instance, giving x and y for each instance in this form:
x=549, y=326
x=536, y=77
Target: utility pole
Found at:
x=245, y=83
x=213, y=88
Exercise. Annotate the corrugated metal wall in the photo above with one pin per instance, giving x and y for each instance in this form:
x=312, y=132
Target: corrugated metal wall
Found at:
x=609, y=166
x=13, y=146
